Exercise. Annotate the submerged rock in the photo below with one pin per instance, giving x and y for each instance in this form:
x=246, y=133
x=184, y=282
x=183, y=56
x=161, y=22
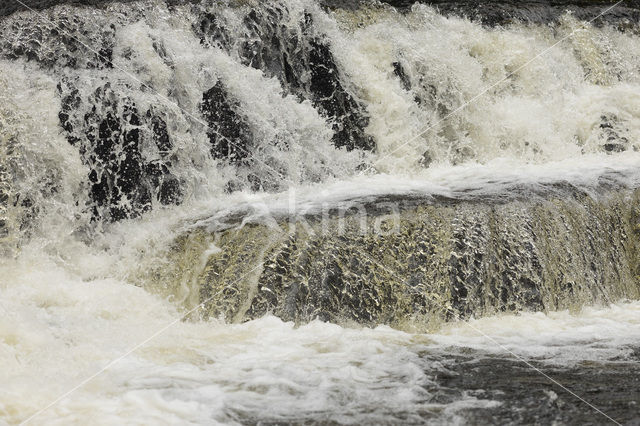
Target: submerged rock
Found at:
x=434, y=261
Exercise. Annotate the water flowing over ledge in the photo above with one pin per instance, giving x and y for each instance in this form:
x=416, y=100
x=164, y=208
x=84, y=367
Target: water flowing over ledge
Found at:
x=115, y=111
x=348, y=166
x=418, y=261
x=128, y=110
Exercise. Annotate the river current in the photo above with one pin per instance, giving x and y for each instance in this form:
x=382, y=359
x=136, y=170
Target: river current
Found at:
x=153, y=154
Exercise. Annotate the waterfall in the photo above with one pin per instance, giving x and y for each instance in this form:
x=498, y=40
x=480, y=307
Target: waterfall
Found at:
x=147, y=106
x=377, y=172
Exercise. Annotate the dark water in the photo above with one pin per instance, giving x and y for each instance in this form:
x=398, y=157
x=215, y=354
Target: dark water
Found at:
x=527, y=397
x=519, y=394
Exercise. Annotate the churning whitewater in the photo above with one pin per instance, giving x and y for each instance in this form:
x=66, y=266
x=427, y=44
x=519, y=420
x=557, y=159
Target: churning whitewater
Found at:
x=319, y=212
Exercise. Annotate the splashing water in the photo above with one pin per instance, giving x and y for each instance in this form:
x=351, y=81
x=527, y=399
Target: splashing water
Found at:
x=128, y=126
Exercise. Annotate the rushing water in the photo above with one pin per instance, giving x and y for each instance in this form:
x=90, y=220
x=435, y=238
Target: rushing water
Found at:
x=151, y=153
x=58, y=329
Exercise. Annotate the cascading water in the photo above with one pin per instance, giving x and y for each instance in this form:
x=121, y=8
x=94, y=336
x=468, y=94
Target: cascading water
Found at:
x=177, y=178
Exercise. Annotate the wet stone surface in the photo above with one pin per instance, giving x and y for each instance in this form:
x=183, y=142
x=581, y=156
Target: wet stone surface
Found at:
x=300, y=57
x=108, y=129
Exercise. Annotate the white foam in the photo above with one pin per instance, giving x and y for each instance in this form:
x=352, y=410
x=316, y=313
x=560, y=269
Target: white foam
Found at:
x=500, y=177
x=56, y=330
x=557, y=338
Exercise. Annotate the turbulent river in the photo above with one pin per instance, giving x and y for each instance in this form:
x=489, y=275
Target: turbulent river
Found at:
x=319, y=212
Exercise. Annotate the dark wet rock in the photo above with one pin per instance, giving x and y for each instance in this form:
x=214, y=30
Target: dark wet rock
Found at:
x=426, y=159
x=64, y=40
x=497, y=13
x=610, y=129
x=301, y=59
x=625, y=16
x=347, y=114
x=232, y=140
x=10, y=6
x=228, y=132
x=108, y=130
x=614, y=147
x=399, y=71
